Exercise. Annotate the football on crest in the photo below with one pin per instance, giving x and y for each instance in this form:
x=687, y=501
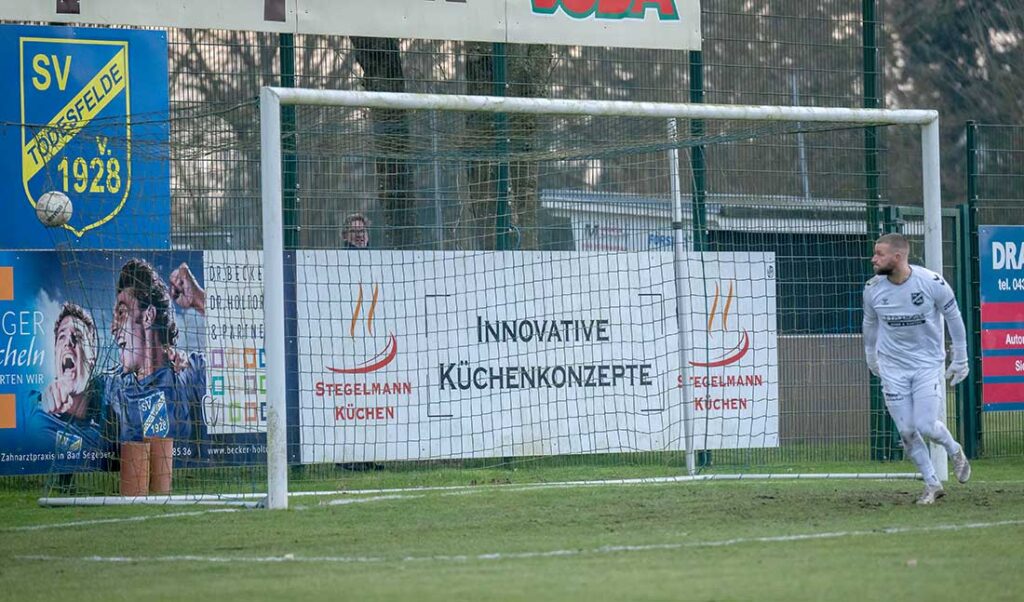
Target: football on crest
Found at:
x=53, y=208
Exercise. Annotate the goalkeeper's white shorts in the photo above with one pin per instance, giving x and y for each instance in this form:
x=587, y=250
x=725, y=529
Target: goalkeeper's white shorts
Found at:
x=914, y=397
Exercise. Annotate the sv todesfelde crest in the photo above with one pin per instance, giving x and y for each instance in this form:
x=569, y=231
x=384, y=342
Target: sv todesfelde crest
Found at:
x=76, y=125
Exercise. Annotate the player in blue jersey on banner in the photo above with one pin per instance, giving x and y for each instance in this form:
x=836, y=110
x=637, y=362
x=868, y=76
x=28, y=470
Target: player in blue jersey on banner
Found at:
x=157, y=390
x=71, y=412
x=904, y=307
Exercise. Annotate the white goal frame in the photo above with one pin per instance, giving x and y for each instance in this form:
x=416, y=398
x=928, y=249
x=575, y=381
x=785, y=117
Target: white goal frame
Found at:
x=273, y=98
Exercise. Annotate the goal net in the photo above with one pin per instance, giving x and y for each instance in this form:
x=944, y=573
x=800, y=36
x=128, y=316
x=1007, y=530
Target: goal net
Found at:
x=411, y=289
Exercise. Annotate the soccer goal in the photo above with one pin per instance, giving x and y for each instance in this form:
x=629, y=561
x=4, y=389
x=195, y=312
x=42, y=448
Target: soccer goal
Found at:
x=406, y=286
x=637, y=335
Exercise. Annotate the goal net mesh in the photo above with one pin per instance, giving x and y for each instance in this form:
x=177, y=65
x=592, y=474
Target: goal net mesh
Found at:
x=468, y=293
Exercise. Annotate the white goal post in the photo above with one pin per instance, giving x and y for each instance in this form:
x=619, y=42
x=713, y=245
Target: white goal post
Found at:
x=272, y=99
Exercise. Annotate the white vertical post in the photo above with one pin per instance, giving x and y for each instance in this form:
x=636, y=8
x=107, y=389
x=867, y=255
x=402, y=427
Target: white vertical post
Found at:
x=933, y=246
x=273, y=298
x=681, y=274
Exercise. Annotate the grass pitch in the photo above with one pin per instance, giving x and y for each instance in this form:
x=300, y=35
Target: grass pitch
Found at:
x=786, y=540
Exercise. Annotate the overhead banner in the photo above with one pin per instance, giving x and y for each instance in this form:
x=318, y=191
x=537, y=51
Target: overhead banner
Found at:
x=424, y=355
x=669, y=24
x=100, y=348
x=87, y=116
x=1001, y=252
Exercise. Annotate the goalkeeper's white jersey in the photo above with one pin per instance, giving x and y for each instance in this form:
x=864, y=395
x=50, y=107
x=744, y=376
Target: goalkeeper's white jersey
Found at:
x=909, y=318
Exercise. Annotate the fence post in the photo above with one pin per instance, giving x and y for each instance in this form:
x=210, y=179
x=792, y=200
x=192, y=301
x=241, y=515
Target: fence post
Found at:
x=885, y=438
x=503, y=220
x=883, y=447
x=698, y=209
x=968, y=392
x=291, y=223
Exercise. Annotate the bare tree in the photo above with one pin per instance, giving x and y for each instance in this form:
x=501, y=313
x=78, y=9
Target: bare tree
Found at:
x=962, y=58
x=528, y=75
x=381, y=61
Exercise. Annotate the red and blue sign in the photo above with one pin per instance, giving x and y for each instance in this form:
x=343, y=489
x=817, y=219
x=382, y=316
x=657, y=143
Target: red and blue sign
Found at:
x=1001, y=250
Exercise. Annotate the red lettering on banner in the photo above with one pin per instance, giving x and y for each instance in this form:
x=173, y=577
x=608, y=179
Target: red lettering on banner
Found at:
x=322, y=389
x=613, y=7
x=608, y=9
x=666, y=8
x=351, y=413
x=576, y=7
x=720, y=403
x=723, y=380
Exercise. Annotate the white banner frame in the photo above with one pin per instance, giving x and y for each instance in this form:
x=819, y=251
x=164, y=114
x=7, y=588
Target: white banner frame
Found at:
x=664, y=24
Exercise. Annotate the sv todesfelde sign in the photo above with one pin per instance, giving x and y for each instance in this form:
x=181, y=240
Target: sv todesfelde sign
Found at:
x=420, y=355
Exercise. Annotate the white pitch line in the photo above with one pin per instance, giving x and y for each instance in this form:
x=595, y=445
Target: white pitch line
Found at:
x=747, y=479
x=363, y=500
x=611, y=549
x=108, y=521
x=239, y=498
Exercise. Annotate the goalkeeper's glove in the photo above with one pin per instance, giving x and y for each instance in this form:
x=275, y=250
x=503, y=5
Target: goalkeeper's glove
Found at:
x=873, y=363
x=957, y=371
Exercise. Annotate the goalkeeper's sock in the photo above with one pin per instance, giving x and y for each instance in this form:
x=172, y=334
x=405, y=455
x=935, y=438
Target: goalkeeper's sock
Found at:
x=918, y=451
x=941, y=435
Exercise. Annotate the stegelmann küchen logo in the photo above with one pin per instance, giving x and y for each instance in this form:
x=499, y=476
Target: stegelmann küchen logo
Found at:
x=722, y=337
x=383, y=357
x=76, y=125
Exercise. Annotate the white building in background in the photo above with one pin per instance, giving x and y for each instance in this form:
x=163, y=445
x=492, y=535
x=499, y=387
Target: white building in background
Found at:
x=603, y=221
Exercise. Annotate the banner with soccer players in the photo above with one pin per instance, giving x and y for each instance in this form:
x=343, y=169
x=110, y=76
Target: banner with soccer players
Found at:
x=98, y=349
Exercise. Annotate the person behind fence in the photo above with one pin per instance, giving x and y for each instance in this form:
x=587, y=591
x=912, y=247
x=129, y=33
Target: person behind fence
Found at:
x=904, y=307
x=156, y=390
x=356, y=235
x=356, y=232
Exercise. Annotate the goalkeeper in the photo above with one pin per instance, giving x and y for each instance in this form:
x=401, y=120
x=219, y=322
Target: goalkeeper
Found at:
x=903, y=309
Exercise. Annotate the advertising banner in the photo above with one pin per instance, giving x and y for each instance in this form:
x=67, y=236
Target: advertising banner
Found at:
x=417, y=355
x=672, y=24
x=88, y=109
x=102, y=348
x=1001, y=252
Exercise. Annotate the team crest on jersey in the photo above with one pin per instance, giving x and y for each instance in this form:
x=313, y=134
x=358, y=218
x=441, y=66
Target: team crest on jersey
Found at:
x=155, y=419
x=68, y=442
x=917, y=298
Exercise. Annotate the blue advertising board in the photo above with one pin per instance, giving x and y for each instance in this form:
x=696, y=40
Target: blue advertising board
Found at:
x=118, y=352
x=85, y=114
x=1001, y=257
